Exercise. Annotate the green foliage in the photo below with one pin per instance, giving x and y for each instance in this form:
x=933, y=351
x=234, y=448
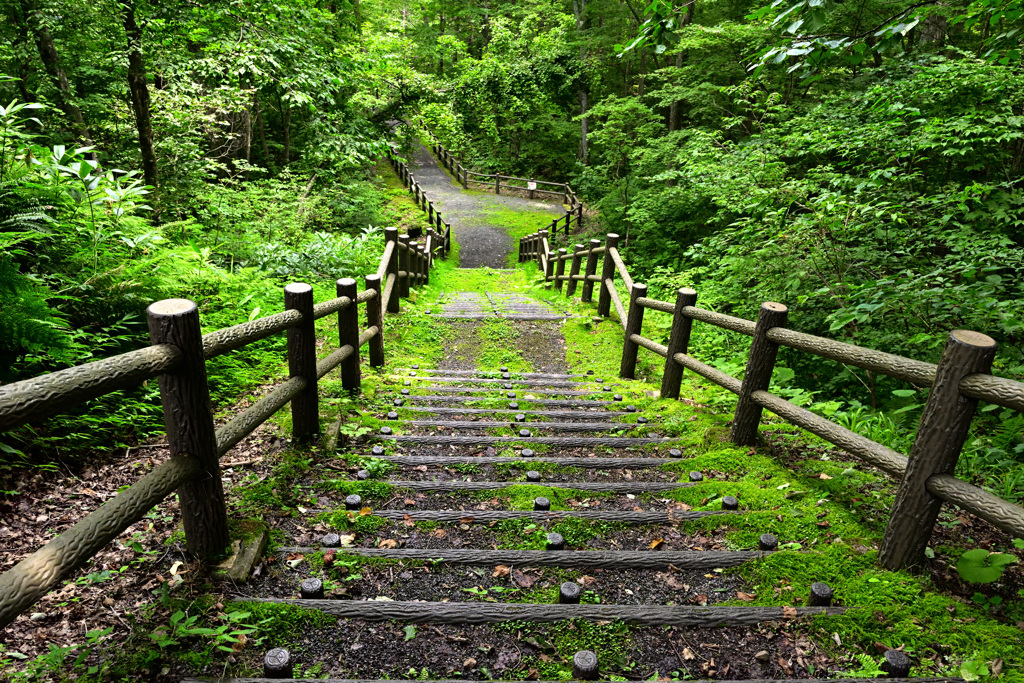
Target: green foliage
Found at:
x=981, y=566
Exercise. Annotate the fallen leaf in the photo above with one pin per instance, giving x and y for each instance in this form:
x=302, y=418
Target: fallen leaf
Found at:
x=500, y=571
x=239, y=644
x=347, y=539
x=670, y=580
x=657, y=542
x=465, y=520
x=365, y=511
x=586, y=580
x=175, y=567
x=789, y=612
x=748, y=597
x=438, y=533
x=824, y=476
x=388, y=543
x=420, y=468
x=408, y=520
x=688, y=654
x=524, y=580
x=410, y=501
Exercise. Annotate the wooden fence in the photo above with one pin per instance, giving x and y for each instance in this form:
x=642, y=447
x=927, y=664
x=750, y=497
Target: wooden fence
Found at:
x=177, y=358
x=957, y=382
x=572, y=216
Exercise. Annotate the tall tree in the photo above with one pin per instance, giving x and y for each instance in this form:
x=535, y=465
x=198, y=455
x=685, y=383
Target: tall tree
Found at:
x=139, y=89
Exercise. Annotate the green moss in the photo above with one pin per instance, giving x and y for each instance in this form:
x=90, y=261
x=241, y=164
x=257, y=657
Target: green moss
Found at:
x=281, y=622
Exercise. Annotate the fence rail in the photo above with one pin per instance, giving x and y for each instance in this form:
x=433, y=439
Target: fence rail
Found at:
x=956, y=383
x=572, y=216
x=177, y=358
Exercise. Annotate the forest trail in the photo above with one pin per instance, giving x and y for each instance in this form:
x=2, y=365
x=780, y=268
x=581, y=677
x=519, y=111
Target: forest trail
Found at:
x=476, y=216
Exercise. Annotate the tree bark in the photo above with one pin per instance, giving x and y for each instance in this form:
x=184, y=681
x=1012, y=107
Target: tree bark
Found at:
x=21, y=47
x=51, y=62
x=286, y=122
x=579, y=9
x=260, y=127
x=139, y=92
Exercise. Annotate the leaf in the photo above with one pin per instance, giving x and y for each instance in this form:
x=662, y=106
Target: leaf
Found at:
x=500, y=571
x=465, y=520
x=789, y=612
x=408, y=520
x=365, y=511
x=824, y=476
x=410, y=632
x=747, y=597
x=656, y=543
x=347, y=539
x=981, y=566
x=388, y=543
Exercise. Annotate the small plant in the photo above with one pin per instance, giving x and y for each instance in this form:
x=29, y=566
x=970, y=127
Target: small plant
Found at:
x=229, y=637
x=981, y=566
x=869, y=668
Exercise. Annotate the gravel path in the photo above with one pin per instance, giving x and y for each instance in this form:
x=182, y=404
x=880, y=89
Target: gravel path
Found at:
x=482, y=242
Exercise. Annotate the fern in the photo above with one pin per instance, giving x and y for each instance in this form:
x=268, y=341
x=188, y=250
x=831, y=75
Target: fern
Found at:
x=27, y=323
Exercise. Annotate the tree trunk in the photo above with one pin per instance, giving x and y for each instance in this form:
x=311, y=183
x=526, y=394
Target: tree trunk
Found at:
x=261, y=128
x=21, y=47
x=139, y=91
x=51, y=62
x=286, y=124
x=579, y=9
x=673, y=110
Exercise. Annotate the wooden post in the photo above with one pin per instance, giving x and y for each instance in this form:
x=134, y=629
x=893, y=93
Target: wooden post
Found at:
x=302, y=361
x=678, y=342
x=634, y=325
x=528, y=185
x=391, y=235
x=591, y=269
x=580, y=209
x=375, y=318
x=940, y=437
x=414, y=263
x=465, y=178
x=348, y=333
x=577, y=257
x=604, y=297
x=188, y=417
x=430, y=212
x=497, y=183
x=403, y=265
x=758, y=374
x=560, y=269
x=542, y=239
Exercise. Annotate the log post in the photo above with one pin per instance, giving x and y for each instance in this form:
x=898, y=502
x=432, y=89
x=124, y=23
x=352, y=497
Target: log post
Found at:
x=941, y=434
x=348, y=333
x=391, y=235
x=560, y=269
x=465, y=178
x=758, y=374
x=188, y=417
x=414, y=263
x=580, y=209
x=604, y=297
x=542, y=250
x=528, y=185
x=497, y=183
x=302, y=361
x=588, y=286
x=678, y=342
x=403, y=266
x=375, y=318
x=634, y=325
x=430, y=212
x=577, y=258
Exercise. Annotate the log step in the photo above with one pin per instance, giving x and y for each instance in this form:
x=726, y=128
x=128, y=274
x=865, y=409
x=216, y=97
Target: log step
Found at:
x=515, y=382
x=487, y=516
x=561, y=414
x=463, y=680
x=434, y=398
x=485, y=373
x=489, y=613
x=590, y=559
x=565, y=441
x=559, y=426
x=499, y=390
x=606, y=486
x=589, y=463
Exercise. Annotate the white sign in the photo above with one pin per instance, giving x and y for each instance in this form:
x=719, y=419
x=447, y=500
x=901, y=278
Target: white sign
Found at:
x=530, y=185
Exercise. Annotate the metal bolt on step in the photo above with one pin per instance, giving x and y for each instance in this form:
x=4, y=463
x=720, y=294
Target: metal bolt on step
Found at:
x=405, y=392
x=767, y=542
x=399, y=402
x=506, y=375
x=533, y=475
x=896, y=664
x=415, y=367
x=504, y=368
x=412, y=374
x=820, y=596
x=675, y=453
x=407, y=383
x=590, y=372
x=312, y=589
x=630, y=409
x=511, y=394
x=641, y=420
x=377, y=450
x=520, y=417
x=392, y=415
x=606, y=388
x=277, y=664
x=527, y=453
x=617, y=397
x=584, y=666
x=513, y=406
x=598, y=380
x=507, y=385
x=331, y=540
x=541, y=504
x=696, y=476
x=525, y=433
x=569, y=593
x=354, y=502
x=362, y=475
x=730, y=503
x=386, y=431
x=554, y=542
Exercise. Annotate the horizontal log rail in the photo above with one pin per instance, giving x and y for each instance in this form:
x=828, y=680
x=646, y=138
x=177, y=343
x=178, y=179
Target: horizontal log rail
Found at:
x=177, y=357
x=959, y=379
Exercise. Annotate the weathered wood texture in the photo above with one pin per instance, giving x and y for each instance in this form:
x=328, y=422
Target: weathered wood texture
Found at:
x=500, y=390
x=302, y=361
x=588, y=463
x=707, y=372
x=35, y=575
x=757, y=376
x=940, y=437
x=389, y=299
x=590, y=415
x=567, y=441
x=604, y=295
x=237, y=336
x=574, y=269
x=348, y=335
x=678, y=342
x=634, y=326
x=559, y=426
x=616, y=487
x=489, y=613
x=487, y=516
x=492, y=380
x=375, y=318
x=481, y=373
x=325, y=365
x=241, y=425
x=597, y=559
x=578, y=403
x=587, y=293
x=188, y=418
x=991, y=508
x=325, y=308
x=461, y=680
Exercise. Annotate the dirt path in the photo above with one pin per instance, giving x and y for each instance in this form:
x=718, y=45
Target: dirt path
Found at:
x=475, y=216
